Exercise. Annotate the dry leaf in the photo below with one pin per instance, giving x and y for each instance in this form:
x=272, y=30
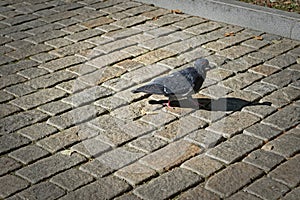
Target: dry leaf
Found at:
x=154, y=18
x=258, y=37
x=176, y=11
x=229, y=34
x=67, y=152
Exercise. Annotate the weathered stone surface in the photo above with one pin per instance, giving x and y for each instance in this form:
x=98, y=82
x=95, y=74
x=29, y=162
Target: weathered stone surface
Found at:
x=11, y=79
x=261, y=88
x=292, y=195
x=146, y=73
x=264, y=70
x=262, y=131
x=204, y=138
x=159, y=119
x=62, y=63
x=243, y=196
x=91, y=147
x=135, y=173
x=8, y=164
x=179, y=128
x=37, y=131
x=71, y=179
x=104, y=188
x=87, y=96
x=49, y=166
x=268, y=189
x=38, y=98
x=52, y=79
x=16, y=67
x=20, y=89
x=55, y=107
x=168, y=184
x=148, y=143
x=263, y=159
x=11, y=184
x=261, y=111
x=284, y=118
x=109, y=59
x=45, y=190
x=233, y=124
x=232, y=150
x=7, y=109
x=203, y=165
x=28, y=154
x=287, y=173
x=231, y=179
x=235, y=51
x=154, y=56
x=120, y=157
x=170, y=155
x=198, y=192
x=72, y=49
x=282, y=78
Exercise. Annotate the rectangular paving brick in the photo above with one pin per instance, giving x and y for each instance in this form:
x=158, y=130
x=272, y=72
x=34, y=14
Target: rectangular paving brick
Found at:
x=72, y=49
x=120, y=157
x=158, y=42
x=60, y=140
x=52, y=79
x=203, y=165
x=109, y=59
x=62, y=63
x=282, y=78
x=55, y=108
x=121, y=33
x=16, y=67
x=97, y=22
x=8, y=164
x=49, y=166
x=204, y=138
x=8, y=109
x=87, y=96
x=234, y=148
x=115, y=45
x=287, y=173
x=19, y=19
x=180, y=128
x=262, y=131
x=28, y=154
x=29, y=51
x=46, y=36
x=168, y=184
x=285, y=145
x=75, y=116
x=146, y=73
x=233, y=124
x=159, y=119
x=267, y=188
x=135, y=173
x=17, y=121
x=170, y=155
x=38, y=98
x=231, y=179
x=37, y=131
x=104, y=188
x=11, y=79
x=11, y=184
x=43, y=191
x=263, y=159
x=76, y=37
x=71, y=179
x=284, y=118
x=154, y=56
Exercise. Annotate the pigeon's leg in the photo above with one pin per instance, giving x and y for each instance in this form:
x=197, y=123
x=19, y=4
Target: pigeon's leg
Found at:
x=168, y=104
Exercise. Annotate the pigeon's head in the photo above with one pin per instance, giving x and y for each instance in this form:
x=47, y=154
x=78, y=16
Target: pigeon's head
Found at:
x=202, y=65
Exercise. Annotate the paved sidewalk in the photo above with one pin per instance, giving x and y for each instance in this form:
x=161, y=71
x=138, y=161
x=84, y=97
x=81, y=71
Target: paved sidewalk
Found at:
x=71, y=128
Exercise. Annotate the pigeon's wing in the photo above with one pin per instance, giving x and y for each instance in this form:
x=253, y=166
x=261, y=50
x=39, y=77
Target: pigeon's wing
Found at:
x=152, y=88
x=180, y=83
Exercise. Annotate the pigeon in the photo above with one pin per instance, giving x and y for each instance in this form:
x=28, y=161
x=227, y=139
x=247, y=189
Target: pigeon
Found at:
x=179, y=84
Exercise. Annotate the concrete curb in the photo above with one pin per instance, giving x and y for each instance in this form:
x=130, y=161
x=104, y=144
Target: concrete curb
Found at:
x=238, y=13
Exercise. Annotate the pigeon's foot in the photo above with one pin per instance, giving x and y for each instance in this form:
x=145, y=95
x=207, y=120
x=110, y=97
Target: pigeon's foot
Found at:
x=168, y=104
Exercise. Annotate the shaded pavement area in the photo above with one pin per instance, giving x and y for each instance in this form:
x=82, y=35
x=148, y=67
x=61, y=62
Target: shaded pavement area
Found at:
x=72, y=129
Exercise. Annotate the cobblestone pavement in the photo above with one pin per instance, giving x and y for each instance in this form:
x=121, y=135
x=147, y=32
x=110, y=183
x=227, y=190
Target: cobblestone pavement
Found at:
x=71, y=128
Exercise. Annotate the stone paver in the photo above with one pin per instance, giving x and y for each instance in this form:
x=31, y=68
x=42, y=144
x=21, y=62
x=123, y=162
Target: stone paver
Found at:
x=268, y=189
x=231, y=179
x=70, y=127
x=168, y=184
x=170, y=156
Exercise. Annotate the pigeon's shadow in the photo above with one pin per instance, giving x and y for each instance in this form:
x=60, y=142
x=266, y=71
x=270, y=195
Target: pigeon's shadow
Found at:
x=221, y=104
